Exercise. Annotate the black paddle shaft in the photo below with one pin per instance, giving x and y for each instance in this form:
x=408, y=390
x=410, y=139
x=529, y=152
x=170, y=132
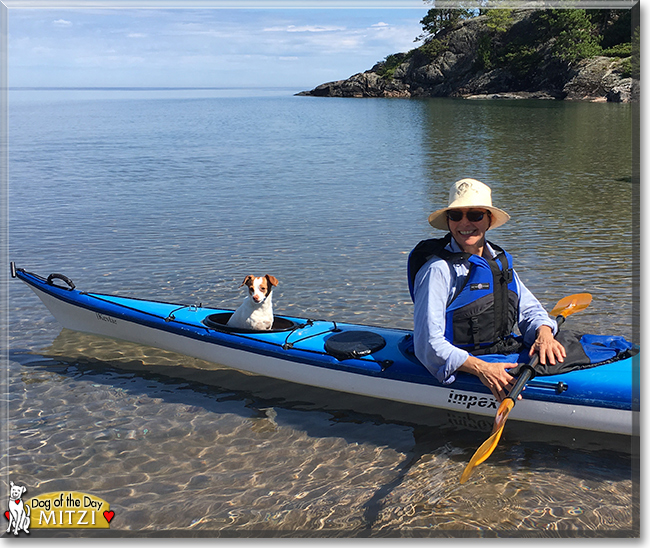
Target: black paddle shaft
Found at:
x=529, y=370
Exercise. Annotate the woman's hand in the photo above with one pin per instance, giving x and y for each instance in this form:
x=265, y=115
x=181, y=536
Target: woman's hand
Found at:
x=492, y=375
x=548, y=348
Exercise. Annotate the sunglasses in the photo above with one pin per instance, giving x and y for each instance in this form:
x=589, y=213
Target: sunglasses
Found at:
x=472, y=216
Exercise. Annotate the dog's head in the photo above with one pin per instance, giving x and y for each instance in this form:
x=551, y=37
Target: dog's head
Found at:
x=259, y=288
x=16, y=491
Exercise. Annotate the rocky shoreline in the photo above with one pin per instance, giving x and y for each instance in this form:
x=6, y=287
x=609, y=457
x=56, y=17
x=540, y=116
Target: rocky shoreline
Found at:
x=454, y=73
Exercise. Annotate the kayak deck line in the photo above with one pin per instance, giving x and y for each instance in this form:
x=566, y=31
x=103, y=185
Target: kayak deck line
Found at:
x=217, y=322
x=372, y=361
x=246, y=334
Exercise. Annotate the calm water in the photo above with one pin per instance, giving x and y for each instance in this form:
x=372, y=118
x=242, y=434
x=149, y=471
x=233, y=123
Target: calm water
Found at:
x=178, y=195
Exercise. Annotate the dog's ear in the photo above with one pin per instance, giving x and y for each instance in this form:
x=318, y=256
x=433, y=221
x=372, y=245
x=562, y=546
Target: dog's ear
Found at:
x=272, y=279
x=248, y=280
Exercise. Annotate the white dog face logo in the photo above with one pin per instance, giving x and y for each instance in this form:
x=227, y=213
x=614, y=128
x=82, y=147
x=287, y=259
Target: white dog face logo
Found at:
x=19, y=513
x=16, y=491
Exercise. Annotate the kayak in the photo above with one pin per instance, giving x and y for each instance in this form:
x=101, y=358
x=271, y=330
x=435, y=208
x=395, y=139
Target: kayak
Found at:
x=358, y=359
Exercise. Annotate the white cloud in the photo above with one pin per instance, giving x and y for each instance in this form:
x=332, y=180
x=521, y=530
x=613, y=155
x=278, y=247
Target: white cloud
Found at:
x=304, y=28
x=109, y=61
x=381, y=24
x=62, y=23
x=136, y=35
x=43, y=51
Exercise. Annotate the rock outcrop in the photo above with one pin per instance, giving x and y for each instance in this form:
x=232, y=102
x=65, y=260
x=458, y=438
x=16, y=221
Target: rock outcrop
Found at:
x=456, y=70
x=601, y=79
x=364, y=84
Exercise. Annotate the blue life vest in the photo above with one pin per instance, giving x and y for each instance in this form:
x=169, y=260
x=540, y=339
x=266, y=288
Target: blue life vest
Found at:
x=491, y=283
x=481, y=316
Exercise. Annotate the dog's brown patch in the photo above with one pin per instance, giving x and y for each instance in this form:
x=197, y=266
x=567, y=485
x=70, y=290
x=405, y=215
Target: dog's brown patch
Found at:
x=268, y=283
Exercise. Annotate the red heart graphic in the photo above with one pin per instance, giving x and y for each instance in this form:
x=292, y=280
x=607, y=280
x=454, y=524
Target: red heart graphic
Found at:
x=17, y=501
x=7, y=514
x=109, y=515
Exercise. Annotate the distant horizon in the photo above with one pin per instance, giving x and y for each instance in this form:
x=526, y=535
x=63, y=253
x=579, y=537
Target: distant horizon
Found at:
x=135, y=88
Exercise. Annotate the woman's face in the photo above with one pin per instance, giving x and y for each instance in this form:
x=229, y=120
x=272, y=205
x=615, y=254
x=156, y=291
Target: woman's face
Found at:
x=470, y=234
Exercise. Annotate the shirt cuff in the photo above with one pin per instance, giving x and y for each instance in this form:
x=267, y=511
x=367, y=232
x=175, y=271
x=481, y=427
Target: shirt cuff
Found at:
x=531, y=334
x=446, y=374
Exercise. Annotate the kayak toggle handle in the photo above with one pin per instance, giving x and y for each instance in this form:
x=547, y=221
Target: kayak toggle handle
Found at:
x=52, y=277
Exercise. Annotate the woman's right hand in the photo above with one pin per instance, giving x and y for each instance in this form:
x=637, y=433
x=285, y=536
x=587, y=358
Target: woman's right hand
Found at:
x=493, y=375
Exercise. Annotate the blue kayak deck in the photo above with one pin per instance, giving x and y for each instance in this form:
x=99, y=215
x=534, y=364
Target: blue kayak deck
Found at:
x=609, y=385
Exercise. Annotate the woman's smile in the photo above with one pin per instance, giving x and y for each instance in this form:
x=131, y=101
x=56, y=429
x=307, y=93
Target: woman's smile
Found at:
x=470, y=235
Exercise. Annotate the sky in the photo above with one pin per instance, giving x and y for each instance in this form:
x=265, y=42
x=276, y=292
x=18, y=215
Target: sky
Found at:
x=297, y=47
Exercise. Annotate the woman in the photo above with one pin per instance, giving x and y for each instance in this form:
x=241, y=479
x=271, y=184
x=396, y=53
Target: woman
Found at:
x=468, y=297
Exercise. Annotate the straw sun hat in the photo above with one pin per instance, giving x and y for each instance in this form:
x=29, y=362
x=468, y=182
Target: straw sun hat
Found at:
x=469, y=193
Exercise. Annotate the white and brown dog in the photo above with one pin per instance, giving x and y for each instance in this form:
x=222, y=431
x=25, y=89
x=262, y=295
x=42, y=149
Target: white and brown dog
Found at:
x=19, y=512
x=256, y=312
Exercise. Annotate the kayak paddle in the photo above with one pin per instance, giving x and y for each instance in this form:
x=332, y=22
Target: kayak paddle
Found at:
x=563, y=309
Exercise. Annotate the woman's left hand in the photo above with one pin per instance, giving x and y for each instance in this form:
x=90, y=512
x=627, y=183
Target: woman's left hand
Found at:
x=548, y=348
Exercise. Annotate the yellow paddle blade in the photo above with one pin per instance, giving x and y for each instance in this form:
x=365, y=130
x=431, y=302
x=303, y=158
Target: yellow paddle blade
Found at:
x=502, y=414
x=573, y=303
x=481, y=454
x=489, y=445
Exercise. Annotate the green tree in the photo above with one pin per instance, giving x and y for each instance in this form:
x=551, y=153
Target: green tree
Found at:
x=499, y=20
x=436, y=20
x=576, y=36
x=613, y=25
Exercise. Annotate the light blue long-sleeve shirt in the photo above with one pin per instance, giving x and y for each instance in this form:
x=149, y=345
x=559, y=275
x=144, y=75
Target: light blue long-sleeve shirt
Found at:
x=436, y=284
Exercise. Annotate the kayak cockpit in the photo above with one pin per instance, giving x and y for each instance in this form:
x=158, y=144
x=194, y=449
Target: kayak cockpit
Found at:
x=219, y=322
